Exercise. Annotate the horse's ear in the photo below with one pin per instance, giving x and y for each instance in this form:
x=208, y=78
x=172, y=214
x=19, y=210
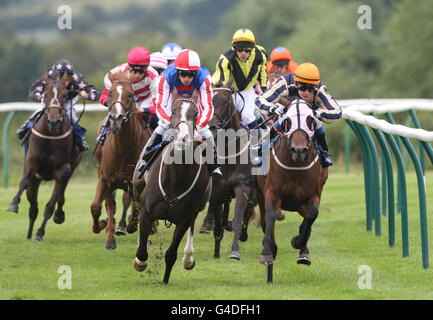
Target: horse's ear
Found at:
x=195, y=96
x=64, y=77
x=311, y=123
x=110, y=77
x=229, y=84
x=287, y=124
x=45, y=77
x=175, y=94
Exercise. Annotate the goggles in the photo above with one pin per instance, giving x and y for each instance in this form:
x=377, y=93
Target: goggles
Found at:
x=138, y=68
x=243, y=49
x=187, y=73
x=305, y=86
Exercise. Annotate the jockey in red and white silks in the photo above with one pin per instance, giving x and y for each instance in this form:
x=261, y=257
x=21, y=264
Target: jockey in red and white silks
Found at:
x=185, y=75
x=143, y=81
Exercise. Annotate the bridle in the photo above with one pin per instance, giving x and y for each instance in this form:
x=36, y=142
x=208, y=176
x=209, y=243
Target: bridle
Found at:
x=226, y=117
x=128, y=110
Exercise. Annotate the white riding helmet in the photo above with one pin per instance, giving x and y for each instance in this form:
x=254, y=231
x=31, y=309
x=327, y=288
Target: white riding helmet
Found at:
x=171, y=50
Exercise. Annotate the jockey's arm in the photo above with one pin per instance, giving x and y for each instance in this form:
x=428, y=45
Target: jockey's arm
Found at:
x=37, y=89
x=273, y=95
x=206, y=112
x=163, y=110
x=85, y=89
x=222, y=71
x=329, y=111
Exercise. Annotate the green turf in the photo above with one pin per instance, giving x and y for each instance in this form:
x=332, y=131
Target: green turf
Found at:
x=339, y=245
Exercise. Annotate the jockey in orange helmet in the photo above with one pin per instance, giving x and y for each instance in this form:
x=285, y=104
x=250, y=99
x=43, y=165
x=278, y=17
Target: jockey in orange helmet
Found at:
x=281, y=63
x=304, y=83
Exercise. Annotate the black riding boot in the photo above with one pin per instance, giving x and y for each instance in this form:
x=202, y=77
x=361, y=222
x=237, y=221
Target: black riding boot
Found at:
x=105, y=128
x=24, y=129
x=154, y=140
x=325, y=158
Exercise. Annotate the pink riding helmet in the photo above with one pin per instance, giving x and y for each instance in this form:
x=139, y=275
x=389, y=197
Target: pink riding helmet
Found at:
x=139, y=56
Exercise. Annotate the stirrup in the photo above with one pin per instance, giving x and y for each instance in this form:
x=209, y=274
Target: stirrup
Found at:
x=325, y=160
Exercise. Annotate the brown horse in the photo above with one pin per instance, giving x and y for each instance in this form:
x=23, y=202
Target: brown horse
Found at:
x=117, y=157
x=238, y=181
x=49, y=156
x=295, y=182
x=175, y=191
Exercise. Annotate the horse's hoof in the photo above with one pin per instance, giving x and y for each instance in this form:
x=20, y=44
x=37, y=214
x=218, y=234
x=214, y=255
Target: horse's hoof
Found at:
x=13, y=208
x=235, y=255
x=266, y=259
x=228, y=226
x=37, y=238
x=59, y=217
x=110, y=245
x=120, y=231
x=140, y=266
x=189, y=266
x=244, y=236
x=295, y=243
x=304, y=259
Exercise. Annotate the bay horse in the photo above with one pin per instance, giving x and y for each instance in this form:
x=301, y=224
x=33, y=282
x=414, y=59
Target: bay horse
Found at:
x=294, y=183
x=237, y=181
x=50, y=156
x=175, y=191
x=117, y=157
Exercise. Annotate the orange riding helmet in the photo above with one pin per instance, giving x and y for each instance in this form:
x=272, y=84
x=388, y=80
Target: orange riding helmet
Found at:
x=307, y=73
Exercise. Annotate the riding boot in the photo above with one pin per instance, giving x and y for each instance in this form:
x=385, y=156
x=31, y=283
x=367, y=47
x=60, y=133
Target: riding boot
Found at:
x=79, y=133
x=105, y=128
x=256, y=148
x=213, y=167
x=325, y=158
x=24, y=128
x=153, y=141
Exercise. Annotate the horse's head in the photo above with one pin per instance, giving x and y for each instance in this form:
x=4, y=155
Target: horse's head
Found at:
x=55, y=99
x=224, y=108
x=121, y=100
x=298, y=125
x=184, y=114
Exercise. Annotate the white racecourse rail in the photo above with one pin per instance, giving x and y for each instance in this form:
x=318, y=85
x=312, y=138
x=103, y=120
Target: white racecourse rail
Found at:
x=353, y=109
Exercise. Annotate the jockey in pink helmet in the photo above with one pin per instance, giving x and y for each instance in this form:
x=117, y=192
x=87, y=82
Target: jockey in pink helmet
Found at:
x=143, y=78
x=185, y=75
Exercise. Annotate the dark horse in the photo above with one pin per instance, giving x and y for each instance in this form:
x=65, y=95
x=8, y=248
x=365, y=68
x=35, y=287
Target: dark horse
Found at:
x=117, y=157
x=238, y=182
x=175, y=191
x=49, y=156
x=294, y=183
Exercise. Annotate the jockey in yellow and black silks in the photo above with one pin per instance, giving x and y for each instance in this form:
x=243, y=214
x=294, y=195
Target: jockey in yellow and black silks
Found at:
x=245, y=62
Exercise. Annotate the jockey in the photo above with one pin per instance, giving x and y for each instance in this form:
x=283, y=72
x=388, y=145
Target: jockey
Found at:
x=185, y=75
x=158, y=61
x=281, y=63
x=246, y=63
x=76, y=87
x=143, y=79
x=304, y=83
x=170, y=51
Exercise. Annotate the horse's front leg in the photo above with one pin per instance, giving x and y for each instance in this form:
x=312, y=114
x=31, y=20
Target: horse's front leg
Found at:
x=269, y=252
x=241, y=193
x=126, y=202
x=188, y=260
x=29, y=172
x=171, y=253
x=140, y=261
x=32, y=197
x=96, y=206
x=61, y=178
x=110, y=204
x=310, y=213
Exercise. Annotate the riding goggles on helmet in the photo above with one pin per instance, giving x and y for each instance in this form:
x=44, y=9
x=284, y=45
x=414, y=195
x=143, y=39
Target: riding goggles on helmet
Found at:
x=138, y=68
x=305, y=86
x=243, y=49
x=187, y=73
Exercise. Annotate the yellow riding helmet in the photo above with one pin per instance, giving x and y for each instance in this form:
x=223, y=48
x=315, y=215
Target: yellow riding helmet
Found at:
x=244, y=35
x=307, y=73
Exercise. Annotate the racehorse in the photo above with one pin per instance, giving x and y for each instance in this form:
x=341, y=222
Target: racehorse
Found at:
x=175, y=192
x=117, y=157
x=237, y=179
x=294, y=183
x=50, y=155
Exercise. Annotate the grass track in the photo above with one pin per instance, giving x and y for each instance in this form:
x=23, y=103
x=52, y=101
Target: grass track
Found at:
x=339, y=244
